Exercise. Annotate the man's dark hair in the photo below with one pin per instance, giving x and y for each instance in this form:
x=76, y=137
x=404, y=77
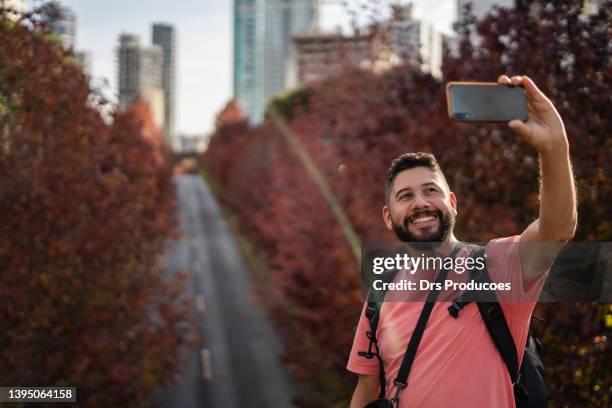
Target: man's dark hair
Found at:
x=408, y=161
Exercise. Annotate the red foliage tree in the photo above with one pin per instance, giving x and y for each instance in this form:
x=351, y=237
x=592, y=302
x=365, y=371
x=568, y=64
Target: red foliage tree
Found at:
x=86, y=211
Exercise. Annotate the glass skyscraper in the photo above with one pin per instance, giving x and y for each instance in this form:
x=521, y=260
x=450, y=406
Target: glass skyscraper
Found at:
x=263, y=49
x=164, y=36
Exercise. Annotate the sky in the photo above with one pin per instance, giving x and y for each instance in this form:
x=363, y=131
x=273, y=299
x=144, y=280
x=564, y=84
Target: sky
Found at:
x=204, y=42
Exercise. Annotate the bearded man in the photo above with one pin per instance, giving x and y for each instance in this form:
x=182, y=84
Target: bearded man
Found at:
x=457, y=364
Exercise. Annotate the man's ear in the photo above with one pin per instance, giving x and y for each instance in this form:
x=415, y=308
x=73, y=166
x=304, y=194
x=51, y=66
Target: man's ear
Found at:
x=386, y=214
x=453, y=200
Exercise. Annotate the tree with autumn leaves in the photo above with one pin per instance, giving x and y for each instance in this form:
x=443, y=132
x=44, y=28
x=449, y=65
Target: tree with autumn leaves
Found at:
x=355, y=124
x=86, y=212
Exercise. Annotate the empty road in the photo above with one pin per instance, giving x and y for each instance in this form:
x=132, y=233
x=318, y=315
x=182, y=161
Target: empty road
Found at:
x=237, y=364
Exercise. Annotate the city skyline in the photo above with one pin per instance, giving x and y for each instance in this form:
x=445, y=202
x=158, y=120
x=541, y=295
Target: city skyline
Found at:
x=204, y=72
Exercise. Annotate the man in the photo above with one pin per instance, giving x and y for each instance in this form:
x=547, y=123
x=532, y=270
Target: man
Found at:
x=456, y=363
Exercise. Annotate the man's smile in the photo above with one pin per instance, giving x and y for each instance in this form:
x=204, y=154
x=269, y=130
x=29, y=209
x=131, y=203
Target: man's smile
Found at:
x=428, y=219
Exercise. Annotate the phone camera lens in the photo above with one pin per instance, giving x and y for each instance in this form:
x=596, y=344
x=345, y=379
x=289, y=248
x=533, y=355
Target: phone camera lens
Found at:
x=461, y=116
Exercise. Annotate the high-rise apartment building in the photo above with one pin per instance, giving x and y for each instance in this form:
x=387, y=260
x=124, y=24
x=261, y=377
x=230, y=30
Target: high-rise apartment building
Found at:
x=140, y=75
x=415, y=42
x=263, y=47
x=64, y=25
x=164, y=36
x=304, y=16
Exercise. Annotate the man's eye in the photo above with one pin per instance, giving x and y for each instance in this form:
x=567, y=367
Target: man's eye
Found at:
x=430, y=190
x=405, y=197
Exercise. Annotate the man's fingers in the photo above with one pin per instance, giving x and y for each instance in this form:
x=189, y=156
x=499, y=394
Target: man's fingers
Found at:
x=504, y=80
x=532, y=91
x=523, y=80
x=521, y=128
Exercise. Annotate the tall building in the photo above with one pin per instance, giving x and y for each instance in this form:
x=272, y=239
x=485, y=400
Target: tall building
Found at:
x=64, y=25
x=415, y=42
x=304, y=18
x=164, y=36
x=263, y=48
x=140, y=75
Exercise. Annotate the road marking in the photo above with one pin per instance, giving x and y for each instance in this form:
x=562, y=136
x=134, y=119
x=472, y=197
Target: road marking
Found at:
x=200, y=305
x=206, y=366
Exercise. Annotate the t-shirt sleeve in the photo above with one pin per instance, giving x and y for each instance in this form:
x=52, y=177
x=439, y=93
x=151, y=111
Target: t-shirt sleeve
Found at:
x=356, y=363
x=504, y=265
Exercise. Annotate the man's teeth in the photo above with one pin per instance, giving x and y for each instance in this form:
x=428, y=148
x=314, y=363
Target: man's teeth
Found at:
x=423, y=219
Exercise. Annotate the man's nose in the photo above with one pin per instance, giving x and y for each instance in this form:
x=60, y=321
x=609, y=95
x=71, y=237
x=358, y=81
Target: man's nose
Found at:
x=419, y=202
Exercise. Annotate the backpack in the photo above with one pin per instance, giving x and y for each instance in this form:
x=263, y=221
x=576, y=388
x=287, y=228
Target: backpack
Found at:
x=527, y=382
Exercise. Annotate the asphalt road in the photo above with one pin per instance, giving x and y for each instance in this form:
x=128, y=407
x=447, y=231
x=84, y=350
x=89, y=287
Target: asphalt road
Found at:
x=237, y=364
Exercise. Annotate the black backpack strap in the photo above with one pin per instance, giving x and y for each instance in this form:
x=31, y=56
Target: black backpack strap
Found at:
x=372, y=313
x=400, y=381
x=528, y=382
x=496, y=324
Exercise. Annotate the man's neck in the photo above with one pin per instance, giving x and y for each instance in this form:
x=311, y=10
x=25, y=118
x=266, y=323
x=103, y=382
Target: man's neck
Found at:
x=446, y=247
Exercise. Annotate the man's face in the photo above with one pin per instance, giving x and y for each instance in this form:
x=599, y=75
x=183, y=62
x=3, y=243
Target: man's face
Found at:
x=421, y=208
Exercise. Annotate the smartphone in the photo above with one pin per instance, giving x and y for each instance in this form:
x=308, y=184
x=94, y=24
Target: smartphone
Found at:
x=485, y=102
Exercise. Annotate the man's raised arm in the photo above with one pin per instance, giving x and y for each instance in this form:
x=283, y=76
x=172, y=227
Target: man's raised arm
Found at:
x=545, y=132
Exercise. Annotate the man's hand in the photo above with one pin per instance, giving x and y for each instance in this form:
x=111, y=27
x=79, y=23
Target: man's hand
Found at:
x=544, y=129
x=556, y=224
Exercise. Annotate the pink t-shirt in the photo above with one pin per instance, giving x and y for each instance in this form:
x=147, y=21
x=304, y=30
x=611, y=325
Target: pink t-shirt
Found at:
x=456, y=363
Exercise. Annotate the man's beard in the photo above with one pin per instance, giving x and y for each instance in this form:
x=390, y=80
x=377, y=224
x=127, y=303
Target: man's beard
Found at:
x=445, y=229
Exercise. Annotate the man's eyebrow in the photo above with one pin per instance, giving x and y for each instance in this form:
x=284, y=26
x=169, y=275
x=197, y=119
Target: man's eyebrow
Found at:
x=401, y=190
